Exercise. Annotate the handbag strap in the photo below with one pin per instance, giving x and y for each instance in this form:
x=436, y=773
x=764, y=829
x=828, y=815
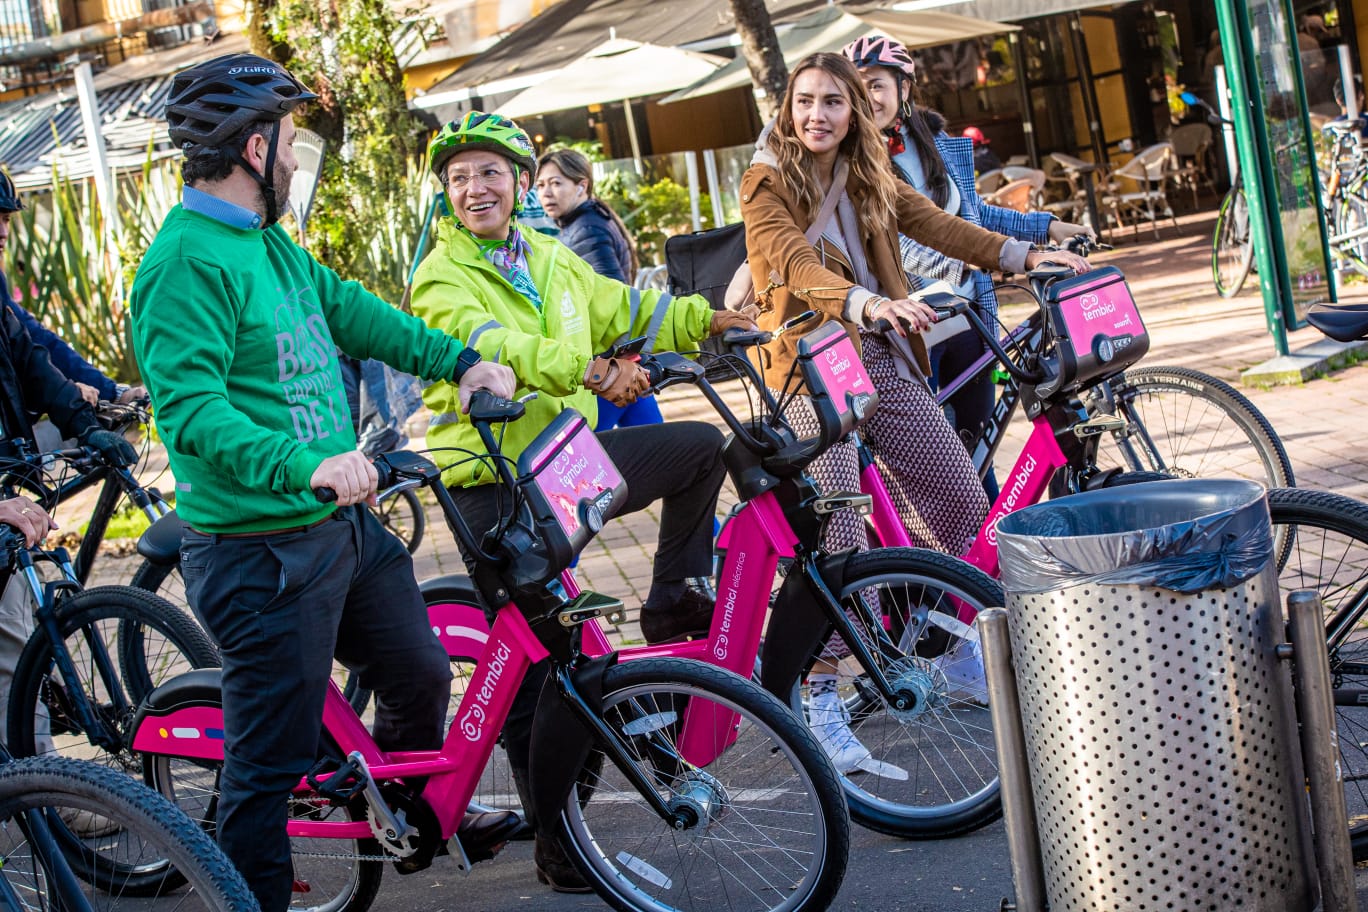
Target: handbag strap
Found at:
x=829, y=203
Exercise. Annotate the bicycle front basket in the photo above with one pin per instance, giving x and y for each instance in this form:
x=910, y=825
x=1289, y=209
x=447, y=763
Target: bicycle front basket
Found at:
x=843, y=396
x=1097, y=326
x=571, y=485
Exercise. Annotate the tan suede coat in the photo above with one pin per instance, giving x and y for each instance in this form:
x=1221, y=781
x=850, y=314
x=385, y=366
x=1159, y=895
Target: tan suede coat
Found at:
x=819, y=277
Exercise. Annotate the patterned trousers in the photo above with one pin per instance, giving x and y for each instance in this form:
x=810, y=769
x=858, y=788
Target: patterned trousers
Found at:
x=926, y=469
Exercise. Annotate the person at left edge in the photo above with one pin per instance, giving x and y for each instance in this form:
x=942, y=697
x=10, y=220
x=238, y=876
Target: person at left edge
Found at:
x=237, y=329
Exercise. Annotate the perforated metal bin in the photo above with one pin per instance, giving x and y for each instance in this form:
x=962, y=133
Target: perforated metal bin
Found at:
x=1158, y=725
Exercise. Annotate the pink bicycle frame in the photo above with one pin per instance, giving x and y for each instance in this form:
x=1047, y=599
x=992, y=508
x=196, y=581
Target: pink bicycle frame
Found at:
x=454, y=769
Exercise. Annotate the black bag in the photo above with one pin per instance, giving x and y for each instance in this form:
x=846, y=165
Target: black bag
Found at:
x=705, y=261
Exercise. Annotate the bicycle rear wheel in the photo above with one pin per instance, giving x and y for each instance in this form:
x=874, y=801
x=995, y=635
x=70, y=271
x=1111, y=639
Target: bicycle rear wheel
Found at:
x=403, y=517
x=139, y=831
x=1325, y=547
x=331, y=875
x=1186, y=424
x=768, y=829
x=1351, y=214
x=932, y=769
x=1232, y=247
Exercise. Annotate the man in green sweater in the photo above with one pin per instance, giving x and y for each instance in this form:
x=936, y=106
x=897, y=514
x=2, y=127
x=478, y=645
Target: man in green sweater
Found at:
x=236, y=329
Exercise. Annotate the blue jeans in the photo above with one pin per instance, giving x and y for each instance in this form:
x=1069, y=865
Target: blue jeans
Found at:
x=643, y=411
x=280, y=607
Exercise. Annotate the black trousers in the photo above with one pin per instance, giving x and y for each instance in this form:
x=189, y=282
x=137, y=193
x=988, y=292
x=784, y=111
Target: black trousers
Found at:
x=281, y=607
x=678, y=463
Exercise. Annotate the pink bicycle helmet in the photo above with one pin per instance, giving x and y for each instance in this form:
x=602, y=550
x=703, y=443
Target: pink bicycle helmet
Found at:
x=879, y=50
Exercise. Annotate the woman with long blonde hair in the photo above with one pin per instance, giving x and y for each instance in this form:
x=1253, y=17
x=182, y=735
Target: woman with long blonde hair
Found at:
x=853, y=274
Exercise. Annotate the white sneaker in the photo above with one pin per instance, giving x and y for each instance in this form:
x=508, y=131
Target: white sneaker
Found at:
x=963, y=668
x=830, y=722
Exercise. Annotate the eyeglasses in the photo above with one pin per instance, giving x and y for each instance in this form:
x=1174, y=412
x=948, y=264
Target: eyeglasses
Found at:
x=487, y=177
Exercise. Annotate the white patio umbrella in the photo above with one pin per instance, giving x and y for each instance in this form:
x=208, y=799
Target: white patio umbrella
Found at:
x=831, y=29
x=617, y=70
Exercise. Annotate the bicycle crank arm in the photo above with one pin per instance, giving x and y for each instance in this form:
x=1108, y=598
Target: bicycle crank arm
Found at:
x=1098, y=425
x=863, y=504
x=391, y=830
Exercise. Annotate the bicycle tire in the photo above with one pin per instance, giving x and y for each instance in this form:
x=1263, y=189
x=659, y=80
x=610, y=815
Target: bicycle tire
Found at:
x=1325, y=547
x=345, y=879
x=1232, y=245
x=155, y=642
x=403, y=516
x=781, y=772
x=937, y=655
x=142, y=815
x=1187, y=424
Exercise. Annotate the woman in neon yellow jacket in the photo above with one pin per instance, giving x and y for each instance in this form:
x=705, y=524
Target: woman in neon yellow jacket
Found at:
x=524, y=300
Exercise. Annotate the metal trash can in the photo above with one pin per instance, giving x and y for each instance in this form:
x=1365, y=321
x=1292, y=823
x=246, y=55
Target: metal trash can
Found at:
x=1159, y=730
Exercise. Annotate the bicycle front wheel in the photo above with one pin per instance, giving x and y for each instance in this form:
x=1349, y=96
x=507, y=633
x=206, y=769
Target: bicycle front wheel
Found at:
x=1185, y=424
x=1232, y=246
x=123, y=643
x=139, y=831
x=766, y=825
x=1324, y=546
x=930, y=770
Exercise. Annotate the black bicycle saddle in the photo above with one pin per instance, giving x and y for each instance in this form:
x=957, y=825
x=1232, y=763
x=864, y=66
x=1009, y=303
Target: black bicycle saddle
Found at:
x=1345, y=323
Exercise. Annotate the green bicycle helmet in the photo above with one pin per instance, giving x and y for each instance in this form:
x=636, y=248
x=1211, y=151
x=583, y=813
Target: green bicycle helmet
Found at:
x=478, y=130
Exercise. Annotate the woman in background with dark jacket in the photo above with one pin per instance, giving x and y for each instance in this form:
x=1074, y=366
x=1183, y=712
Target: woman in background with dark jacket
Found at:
x=565, y=185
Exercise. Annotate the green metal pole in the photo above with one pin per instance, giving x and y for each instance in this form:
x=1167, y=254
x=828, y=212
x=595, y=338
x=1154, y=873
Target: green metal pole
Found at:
x=1251, y=144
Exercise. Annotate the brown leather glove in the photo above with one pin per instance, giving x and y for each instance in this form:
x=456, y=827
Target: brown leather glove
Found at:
x=723, y=320
x=620, y=382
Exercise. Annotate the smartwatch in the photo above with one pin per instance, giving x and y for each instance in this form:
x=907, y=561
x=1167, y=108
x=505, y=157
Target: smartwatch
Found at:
x=467, y=359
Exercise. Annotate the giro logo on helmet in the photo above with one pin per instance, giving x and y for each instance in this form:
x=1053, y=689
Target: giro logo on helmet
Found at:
x=269, y=71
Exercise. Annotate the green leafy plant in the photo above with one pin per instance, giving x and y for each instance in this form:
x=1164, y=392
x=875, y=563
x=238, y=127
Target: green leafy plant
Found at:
x=362, y=219
x=71, y=267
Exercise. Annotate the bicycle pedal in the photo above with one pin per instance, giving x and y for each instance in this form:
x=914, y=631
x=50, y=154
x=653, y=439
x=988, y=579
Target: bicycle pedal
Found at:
x=345, y=783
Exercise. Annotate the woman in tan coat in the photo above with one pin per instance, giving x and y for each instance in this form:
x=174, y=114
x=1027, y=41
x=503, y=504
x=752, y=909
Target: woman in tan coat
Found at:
x=853, y=274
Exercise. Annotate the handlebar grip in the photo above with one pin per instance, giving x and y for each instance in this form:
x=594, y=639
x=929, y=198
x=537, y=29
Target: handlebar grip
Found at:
x=325, y=495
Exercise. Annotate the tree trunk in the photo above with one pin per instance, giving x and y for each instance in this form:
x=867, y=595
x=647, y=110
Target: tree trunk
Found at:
x=760, y=47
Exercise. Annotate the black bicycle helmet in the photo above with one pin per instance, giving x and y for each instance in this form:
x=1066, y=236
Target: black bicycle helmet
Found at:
x=9, y=197
x=211, y=103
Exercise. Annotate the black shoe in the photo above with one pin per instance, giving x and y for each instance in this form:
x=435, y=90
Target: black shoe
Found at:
x=484, y=834
x=690, y=616
x=555, y=870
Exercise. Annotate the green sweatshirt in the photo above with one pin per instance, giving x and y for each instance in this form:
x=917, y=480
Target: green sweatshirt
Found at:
x=236, y=334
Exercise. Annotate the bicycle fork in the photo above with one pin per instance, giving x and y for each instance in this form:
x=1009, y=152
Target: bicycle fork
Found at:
x=45, y=614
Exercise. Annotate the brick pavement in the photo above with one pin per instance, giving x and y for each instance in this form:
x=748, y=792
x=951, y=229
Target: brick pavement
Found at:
x=1190, y=326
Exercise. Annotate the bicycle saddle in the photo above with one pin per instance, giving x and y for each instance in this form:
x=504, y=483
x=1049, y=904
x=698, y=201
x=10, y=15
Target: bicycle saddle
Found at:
x=1346, y=323
x=160, y=544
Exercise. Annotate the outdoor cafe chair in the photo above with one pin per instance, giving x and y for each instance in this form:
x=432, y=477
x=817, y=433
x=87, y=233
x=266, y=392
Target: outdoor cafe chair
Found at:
x=1192, y=149
x=1139, y=188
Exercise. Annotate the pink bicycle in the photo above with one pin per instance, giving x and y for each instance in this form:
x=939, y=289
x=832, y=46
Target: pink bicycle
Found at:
x=677, y=784
x=927, y=765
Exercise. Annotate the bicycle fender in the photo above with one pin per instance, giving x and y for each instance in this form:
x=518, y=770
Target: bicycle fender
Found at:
x=561, y=743
x=456, y=615
x=183, y=717
x=798, y=625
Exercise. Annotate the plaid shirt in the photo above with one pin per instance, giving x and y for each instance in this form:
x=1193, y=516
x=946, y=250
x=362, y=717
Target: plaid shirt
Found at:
x=925, y=265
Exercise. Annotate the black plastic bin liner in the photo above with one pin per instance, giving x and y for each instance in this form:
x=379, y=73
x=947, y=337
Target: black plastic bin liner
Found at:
x=1186, y=535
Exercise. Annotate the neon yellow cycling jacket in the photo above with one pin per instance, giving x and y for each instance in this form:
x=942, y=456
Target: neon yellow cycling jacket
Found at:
x=460, y=292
